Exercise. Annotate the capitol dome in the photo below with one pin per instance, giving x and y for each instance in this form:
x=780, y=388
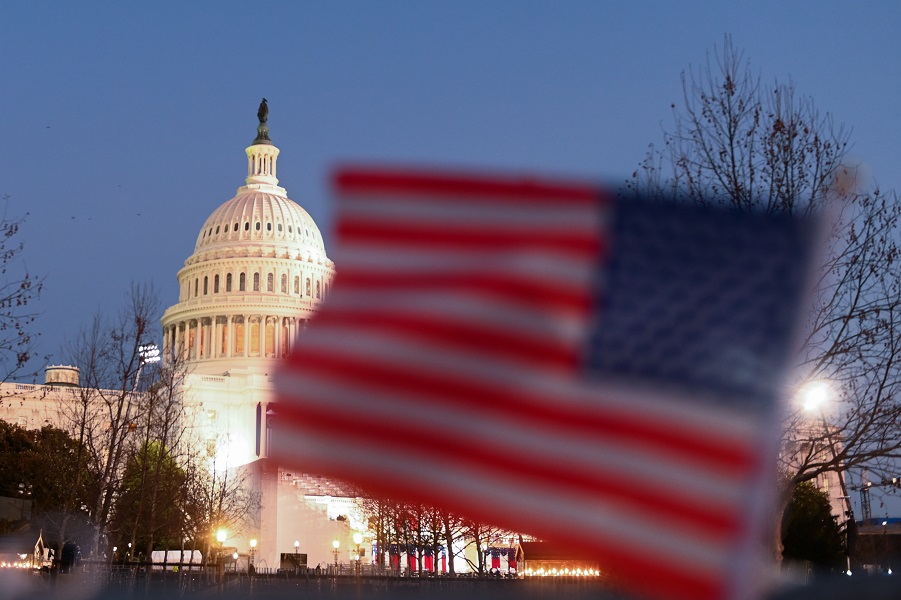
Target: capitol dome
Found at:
x=258, y=271
x=263, y=218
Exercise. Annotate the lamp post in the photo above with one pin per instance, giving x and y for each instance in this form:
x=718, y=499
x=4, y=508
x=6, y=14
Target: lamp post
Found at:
x=335, y=545
x=814, y=396
x=253, y=548
x=358, y=539
x=221, y=534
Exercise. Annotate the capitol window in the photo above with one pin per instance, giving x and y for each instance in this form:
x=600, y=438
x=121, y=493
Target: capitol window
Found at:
x=270, y=282
x=206, y=282
x=297, y=285
x=217, y=230
x=256, y=282
x=216, y=284
x=284, y=283
x=228, y=282
x=242, y=282
x=317, y=291
x=309, y=293
x=196, y=286
x=247, y=226
x=268, y=226
x=258, y=226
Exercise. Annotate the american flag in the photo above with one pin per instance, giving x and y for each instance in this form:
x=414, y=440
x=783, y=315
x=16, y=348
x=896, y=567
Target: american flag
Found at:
x=548, y=358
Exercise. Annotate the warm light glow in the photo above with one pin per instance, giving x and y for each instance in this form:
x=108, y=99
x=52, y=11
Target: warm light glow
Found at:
x=814, y=395
x=335, y=544
x=358, y=538
x=296, y=545
x=220, y=536
x=235, y=556
x=253, y=543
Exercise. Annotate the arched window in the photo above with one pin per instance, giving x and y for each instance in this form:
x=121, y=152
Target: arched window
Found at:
x=270, y=282
x=216, y=284
x=297, y=285
x=309, y=293
x=318, y=295
x=247, y=226
x=217, y=230
x=268, y=226
x=258, y=226
x=196, y=284
x=206, y=285
x=256, y=282
x=284, y=283
x=242, y=282
x=228, y=282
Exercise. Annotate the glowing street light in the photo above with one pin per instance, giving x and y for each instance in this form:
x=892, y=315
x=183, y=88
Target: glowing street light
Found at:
x=253, y=548
x=220, y=536
x=358, y=539
x=814, y=395
x=335, y=545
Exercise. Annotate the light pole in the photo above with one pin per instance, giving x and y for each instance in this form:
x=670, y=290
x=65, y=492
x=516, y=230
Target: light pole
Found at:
x=335, y=545
x=253, y=548
x=358, y=539
x=814, y=396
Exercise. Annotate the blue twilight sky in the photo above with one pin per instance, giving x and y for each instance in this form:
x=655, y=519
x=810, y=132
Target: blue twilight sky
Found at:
x=124, y=124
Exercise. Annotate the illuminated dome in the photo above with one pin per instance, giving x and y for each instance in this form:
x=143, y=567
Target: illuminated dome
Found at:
x=258, y=271
x=263, y=218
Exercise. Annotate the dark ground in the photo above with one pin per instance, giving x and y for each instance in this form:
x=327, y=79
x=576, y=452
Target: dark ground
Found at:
x=19, y=585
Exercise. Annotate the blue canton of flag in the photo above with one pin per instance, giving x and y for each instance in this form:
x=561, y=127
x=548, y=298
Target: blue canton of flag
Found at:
x=699, y=299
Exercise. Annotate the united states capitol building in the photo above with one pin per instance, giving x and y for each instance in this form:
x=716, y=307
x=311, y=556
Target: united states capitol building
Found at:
x=258, y=271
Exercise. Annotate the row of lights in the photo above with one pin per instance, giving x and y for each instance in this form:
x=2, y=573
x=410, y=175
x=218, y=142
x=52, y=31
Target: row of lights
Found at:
x=562, y=572
x=22, y=563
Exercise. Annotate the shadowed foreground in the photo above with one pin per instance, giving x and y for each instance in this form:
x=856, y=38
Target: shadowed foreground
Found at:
x=17, y=585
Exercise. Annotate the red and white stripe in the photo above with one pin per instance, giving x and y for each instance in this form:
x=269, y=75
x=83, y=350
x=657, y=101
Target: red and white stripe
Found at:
x=456, y=324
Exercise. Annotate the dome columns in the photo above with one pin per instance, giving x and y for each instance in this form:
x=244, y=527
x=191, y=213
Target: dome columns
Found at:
x=232, y=336
x=261, y=165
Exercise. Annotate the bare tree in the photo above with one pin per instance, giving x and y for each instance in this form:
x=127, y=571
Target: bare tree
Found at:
x=104, y=412
x=149, y=506
x=18, y=291
x=765, y=148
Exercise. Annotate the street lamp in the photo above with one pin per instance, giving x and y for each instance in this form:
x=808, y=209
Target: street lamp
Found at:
x=358, y=539
x=253, y=548
x=335, y=545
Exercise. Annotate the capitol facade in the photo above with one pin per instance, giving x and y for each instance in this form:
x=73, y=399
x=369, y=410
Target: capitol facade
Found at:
x=257, y=274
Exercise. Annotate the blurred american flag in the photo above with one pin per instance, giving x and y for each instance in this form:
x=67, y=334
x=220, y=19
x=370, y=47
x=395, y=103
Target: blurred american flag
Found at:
x=548, y=358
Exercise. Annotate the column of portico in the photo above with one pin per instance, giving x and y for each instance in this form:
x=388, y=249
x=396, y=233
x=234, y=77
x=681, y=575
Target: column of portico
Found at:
x=262, y=335
x=230, y=338
x=197, y=332
x=277, y=335
x=215, y=348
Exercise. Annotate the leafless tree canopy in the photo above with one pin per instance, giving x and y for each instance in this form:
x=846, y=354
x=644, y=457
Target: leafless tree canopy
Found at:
x=764, y=147
x=18, y=291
